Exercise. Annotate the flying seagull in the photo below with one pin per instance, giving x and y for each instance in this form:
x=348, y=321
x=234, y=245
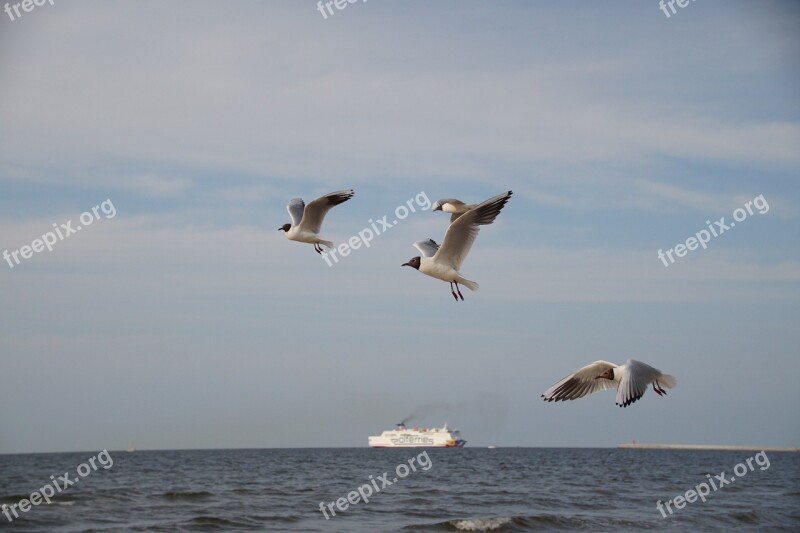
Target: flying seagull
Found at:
x=444, y=262
x=307, y=219
x=451, y=205
x=631, y=381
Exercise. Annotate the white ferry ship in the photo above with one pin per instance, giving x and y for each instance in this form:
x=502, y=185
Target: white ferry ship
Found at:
x=402, y=437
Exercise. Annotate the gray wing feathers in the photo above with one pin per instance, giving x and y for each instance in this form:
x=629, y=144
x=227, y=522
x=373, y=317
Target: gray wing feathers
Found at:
x=295, y=208
x=316, y=210
x=637, y=377
x=580, y=383
x=427, y=248
x=462, y=232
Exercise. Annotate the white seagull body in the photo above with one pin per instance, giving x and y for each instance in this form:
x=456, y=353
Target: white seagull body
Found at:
x=307, y=219
x=453, y=206
x=443, y=262
x=631, y=381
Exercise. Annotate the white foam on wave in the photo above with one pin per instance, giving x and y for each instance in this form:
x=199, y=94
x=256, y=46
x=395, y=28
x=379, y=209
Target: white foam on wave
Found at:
x=480, y=524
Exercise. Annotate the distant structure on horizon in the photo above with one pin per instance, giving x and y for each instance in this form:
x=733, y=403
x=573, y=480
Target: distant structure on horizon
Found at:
x=713, y=447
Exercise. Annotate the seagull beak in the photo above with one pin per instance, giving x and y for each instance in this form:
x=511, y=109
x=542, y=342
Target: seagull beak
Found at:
x=406, y=265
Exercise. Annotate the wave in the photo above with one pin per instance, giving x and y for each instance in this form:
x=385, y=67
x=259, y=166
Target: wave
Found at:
x=481, y=524
x=746, y=517
x=13, y=498
x=509, y=524
x=187, y=495
x=494, y=523
x=214, y=521
x=16, y=498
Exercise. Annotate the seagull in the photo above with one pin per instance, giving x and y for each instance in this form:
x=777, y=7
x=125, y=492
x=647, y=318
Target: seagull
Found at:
x=307, y=219
x=451, y=205
x=631, y=381
x=443, y=262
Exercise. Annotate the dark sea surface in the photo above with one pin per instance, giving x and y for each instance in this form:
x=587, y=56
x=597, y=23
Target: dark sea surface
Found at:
x=469, y=489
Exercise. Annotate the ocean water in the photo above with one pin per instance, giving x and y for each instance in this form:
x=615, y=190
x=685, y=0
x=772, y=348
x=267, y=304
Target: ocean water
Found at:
x=469, y=489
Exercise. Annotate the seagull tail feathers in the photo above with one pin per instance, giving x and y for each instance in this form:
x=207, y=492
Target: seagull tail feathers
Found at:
x=667, y=381
x=471, y=285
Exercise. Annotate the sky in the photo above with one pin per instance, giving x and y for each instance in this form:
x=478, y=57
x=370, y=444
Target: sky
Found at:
x=180, y=317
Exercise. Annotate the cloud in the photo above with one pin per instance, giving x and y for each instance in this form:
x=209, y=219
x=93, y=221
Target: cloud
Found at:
x=361, y=119
x=153, y=185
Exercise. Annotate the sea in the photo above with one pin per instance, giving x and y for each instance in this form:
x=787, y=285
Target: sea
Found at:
x=406, y=490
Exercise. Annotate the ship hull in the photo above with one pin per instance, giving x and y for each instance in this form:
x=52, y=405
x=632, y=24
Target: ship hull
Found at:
x=456, y=445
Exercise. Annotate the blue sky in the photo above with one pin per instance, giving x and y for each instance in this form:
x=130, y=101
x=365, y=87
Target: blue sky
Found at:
x=188, y=321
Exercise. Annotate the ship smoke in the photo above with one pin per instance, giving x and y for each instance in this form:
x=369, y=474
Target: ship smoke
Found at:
x=426, y=410
x=486, y=410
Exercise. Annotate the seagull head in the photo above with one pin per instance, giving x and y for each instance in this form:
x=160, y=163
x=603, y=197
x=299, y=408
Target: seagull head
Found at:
x=285, y=227
x=448, y=205
x=607, y=374
x=413, y=262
